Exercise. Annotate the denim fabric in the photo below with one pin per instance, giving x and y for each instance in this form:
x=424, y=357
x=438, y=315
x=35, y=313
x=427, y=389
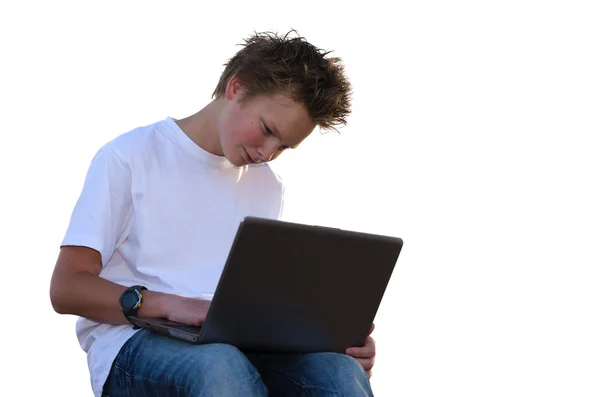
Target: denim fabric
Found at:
x=154, y=365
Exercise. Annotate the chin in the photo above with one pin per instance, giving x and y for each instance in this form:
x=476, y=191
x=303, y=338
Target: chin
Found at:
x=236, y=161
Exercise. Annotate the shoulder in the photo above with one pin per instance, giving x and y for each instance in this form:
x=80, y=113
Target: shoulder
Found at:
x=267, y=178
x=265, y=189
x=137, y=140
x=136, y=148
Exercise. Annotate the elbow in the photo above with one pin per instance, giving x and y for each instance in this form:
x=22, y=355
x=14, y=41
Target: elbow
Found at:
x=59, y=308
x=57, y=304
x=57, y=299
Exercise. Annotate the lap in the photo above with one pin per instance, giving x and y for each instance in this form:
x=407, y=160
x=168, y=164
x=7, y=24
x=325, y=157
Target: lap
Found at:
x=155, y=365
x=314, y=374
x=151, y=364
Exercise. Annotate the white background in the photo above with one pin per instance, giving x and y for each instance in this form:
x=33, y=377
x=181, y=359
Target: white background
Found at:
x=474, y=137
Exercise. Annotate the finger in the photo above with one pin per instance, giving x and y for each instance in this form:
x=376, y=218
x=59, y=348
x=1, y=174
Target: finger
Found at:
x=361, y=353
x=366, y=363
x=370, y=342
x=367, y=351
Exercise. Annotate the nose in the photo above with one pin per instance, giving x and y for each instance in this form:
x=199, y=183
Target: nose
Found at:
x=267, y=152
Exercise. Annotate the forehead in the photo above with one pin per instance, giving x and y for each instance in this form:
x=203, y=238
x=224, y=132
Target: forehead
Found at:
x=288, y=118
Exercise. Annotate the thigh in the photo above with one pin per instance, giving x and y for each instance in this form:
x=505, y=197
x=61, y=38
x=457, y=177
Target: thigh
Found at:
x=154, y=365
x=315, y=374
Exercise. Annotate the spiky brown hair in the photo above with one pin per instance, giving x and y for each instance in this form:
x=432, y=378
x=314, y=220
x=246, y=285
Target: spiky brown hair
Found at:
x=269, y=63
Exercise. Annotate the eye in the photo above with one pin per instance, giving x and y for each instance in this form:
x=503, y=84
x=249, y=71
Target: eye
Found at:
x=267, y=130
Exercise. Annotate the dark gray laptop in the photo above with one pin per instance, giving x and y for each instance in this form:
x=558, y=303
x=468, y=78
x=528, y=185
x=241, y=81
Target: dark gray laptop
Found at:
x=294, y=288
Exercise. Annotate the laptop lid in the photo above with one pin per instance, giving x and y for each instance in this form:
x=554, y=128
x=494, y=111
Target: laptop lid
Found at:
x=289, y=287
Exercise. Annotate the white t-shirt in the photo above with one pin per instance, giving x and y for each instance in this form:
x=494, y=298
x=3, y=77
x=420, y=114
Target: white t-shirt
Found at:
x=163, y=213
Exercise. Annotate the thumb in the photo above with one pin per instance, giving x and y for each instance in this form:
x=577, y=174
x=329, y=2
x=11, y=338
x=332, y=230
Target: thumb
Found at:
x=372, y=328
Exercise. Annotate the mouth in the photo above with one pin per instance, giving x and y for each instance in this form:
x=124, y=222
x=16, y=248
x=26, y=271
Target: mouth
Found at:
x=248, y=158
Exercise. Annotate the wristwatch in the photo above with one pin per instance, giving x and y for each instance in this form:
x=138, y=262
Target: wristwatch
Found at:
x=131, y=300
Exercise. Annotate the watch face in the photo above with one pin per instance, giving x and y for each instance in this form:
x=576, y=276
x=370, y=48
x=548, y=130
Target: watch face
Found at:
x=129, y=300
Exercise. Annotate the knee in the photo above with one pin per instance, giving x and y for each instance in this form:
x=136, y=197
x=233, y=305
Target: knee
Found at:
x=218, y=357
x=341, y=373
x=223, y=370
x=220, y=362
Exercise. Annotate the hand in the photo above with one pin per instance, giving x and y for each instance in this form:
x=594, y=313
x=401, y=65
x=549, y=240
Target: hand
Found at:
x=365, y=355
x=189, y=311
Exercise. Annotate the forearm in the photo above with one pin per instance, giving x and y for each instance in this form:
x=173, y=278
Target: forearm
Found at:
x=88, y=295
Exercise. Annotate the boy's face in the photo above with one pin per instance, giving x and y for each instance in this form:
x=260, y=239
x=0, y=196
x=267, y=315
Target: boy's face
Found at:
x=260, y=129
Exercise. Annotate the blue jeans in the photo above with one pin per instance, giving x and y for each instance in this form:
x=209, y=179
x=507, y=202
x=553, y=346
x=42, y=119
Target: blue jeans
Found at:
x=155, y=365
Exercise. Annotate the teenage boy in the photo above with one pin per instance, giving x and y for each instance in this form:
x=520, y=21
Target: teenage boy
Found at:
x=155, y=220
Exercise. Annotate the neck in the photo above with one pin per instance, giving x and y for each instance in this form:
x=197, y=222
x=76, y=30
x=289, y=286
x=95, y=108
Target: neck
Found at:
x=202, y=127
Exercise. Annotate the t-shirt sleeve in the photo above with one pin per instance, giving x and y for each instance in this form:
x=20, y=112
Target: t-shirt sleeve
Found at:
x=104, y=205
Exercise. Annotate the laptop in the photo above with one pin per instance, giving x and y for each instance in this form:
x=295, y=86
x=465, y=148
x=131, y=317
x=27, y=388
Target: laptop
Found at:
x=294, y=288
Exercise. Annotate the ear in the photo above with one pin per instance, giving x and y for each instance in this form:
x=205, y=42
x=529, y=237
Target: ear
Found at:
x=234, y=88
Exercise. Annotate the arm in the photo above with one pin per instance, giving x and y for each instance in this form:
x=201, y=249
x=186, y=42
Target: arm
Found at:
x=97, y=225
x=77, y=289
